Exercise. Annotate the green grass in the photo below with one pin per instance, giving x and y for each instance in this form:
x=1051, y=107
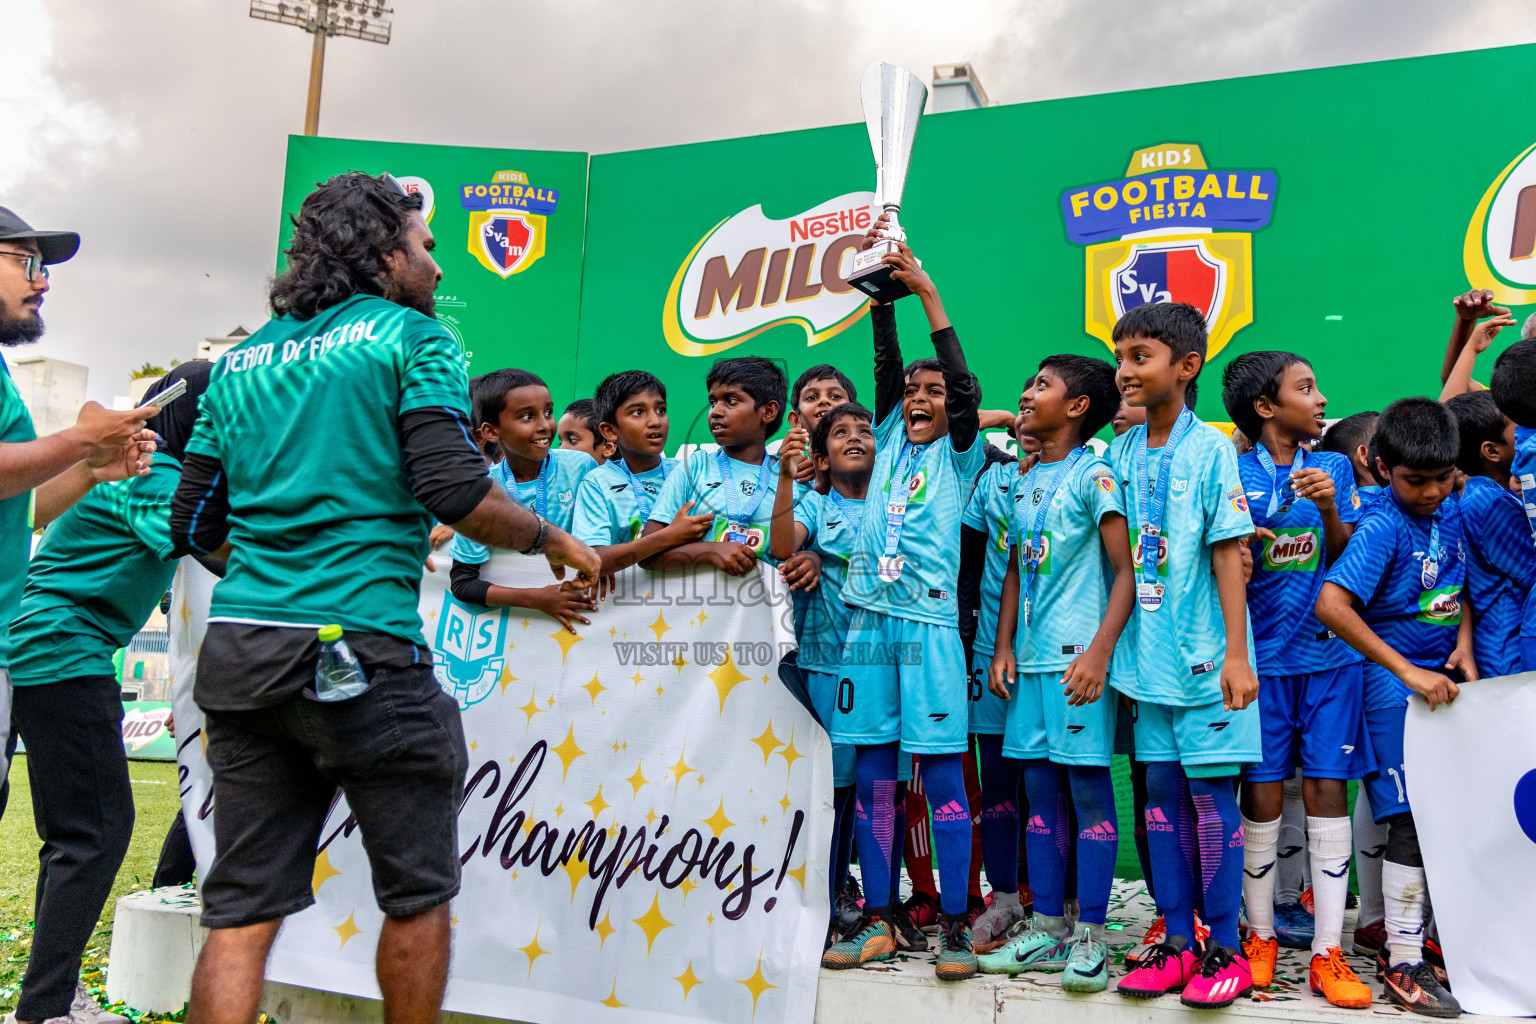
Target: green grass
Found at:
x=155, y=800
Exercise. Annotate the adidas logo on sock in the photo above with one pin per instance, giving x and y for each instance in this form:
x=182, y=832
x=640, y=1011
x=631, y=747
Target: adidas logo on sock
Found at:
x=951, y=811
x=1037, y=825
x=1156, y=820
x=1103, y=831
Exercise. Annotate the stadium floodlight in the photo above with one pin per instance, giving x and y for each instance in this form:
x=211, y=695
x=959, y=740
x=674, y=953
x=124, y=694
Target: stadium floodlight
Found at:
x=367, y=20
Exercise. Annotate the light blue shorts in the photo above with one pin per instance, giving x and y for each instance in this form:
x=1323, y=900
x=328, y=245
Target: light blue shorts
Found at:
x=1041, y=725
x=823, y=690
x=988, y=711
x=1197, y=736
x=901, y=681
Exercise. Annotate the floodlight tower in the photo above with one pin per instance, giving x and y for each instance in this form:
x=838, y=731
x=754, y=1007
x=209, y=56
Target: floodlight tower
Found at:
x=368, y=20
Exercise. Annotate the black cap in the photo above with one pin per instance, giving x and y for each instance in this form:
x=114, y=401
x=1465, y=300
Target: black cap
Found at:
x=56, y=246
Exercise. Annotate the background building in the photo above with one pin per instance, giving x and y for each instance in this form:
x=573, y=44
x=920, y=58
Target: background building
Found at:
x=52, y=389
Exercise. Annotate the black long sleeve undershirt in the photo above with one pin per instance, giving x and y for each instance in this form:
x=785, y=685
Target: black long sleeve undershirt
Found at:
x=890, y=371
x=962, y=390
x=465, y=584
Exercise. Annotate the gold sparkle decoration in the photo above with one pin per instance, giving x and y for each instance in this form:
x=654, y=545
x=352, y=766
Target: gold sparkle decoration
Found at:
x=652, y=923
x=613, y=997
x=726, y=678
x=767, y=742
x=474, y=744
x=702, y=617
x=576, y=869
x=718, y=822
x=567, y=751
x=687, y=885
x=525, y=623
x=533, y=950
x=637, y=678
x=324, y=871
x=659, y=690
x=612, y=632
x=798, y=874
x=604, y=929
x=757, y=984
x=559, y=810
x=566, y=639
x=678, y=663
x=507, y=678
x=530, y=709
x=660, y=627
x=784, y=803
x=650, y=817
x=637, y=780
x=790, y=754
x=680, y=769
x=186, y=615
x=597, y=804
x=710, y=917
x=594, y=688
x=348, y=929
x=687, y=979
x=453, y=922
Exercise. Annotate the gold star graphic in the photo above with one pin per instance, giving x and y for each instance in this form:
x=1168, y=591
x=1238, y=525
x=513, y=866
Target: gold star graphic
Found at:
x=710, y=918
x=765, y=680
x=687, y=979
x=637, y=780
x=474, y=744
x=514, y=876
x=507, y=678
x=324, y=871
x=186, y=614
x=533, y=950
x=680, y=769
x=604, y=929
x=348, y=929
x=612, y=632
x=718, y=822
x=702, y=617
x=798, y=874
x=767, y=742
x=594, y=688
x=530, y=709
x=613, y=997
x=525, y=623
x=567, y=751
x=726, y=678
x=765, y=819
x=660, y=627
x=687, y=885
x=652, y=923
x=615, y=746
x=559, y=810
x=566, y=639
x=678, y=662
x=784, y=804
x=551, y=701
x=650, y=817
x=576, y=870
x=598, y=804
x=757, y=984
x=791, y=755
x=638, y=678
x=453, y=922
x=659, y=690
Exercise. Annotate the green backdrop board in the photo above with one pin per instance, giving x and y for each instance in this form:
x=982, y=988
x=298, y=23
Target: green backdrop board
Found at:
x=508, y=224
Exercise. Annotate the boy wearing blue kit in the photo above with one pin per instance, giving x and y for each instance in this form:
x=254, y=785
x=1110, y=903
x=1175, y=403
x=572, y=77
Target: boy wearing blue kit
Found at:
x=1514, y=389
x=1304, y=505
x=1189, y=652
x=736, y=482
x=1501, y=560
x=903, y=672
x=517, y=416
x=1068, y=593
x=1396, y=596
x=841, y=449
x=615, y=499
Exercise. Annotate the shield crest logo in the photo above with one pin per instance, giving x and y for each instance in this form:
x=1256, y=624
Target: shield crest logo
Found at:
x=1182, y=271
x=468, y=650
x=506, y=243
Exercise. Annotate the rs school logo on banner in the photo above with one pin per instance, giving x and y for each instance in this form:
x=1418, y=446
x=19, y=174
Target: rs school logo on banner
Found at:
x=1171, y=230
x=507, y=221
x=469, y=646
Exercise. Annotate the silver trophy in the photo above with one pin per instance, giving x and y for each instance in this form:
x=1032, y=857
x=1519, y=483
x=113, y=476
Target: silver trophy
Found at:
x=893, y=100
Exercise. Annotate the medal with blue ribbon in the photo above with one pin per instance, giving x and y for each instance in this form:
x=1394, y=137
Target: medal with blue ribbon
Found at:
x=1150, y=503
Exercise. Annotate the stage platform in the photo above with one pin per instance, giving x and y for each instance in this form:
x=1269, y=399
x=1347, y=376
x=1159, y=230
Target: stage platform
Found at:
x=156, y=938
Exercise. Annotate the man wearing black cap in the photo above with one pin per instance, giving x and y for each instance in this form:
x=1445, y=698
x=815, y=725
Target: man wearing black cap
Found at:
x=40, y=478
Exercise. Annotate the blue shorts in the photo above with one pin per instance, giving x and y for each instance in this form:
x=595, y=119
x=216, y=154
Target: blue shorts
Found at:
x=823, y=690
x=902, y=681
x=1204, y=735
x=1315, y=721
x=1040, y=724
x=988, y=711
x=1528, y=654
x=1386, y=711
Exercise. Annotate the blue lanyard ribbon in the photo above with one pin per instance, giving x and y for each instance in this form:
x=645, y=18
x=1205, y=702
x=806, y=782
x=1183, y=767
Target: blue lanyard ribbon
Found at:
x=855, y=516
x=1280, y=495
x=896, y=505
x=509, y=484
x=1029, y=535
x=1149, y=505
x=742, y=521
x=637, y=489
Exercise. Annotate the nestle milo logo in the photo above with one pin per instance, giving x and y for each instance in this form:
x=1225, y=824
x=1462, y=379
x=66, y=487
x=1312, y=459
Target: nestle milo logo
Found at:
x=1162, y=555
x=1293, y=548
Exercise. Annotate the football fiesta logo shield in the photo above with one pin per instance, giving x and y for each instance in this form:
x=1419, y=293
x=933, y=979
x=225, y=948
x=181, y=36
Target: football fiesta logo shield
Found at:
x=1171, y=230
x=508, y=219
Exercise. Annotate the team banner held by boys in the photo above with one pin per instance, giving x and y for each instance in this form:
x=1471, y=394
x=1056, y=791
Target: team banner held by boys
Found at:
x=646, y=817
x=1472, y=783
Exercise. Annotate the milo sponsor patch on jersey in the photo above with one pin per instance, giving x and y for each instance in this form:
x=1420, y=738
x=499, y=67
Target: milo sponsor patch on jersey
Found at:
x=1441, y=606
x=1294, y=547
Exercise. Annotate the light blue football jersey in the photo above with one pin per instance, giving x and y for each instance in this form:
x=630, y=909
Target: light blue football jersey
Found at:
x=1179, y=647
x=607, y=511
x=700, y=481
x=832, y=534
x=562, y=471
x=988, y=511
x=1072, y=577
x=937, y=490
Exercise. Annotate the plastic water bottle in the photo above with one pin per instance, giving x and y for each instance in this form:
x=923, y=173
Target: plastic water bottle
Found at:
x=338, y=676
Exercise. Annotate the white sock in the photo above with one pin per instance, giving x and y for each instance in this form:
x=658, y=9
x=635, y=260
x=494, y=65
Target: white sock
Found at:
x=1005, y=899
x=1329, y=847
x=1370, y=844
x=1056, y=927
x=1402, y=890
x=1259, y=841
x=1291, y=862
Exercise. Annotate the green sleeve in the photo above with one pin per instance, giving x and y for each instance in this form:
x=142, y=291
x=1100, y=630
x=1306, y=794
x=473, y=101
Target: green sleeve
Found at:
x=434, y=374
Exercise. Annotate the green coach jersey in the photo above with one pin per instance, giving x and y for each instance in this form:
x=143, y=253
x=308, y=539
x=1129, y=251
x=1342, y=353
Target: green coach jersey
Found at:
x=304, y=415
x=98, y=574
x=15, y=512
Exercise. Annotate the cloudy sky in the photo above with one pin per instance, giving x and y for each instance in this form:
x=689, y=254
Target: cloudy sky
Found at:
x=156, y=128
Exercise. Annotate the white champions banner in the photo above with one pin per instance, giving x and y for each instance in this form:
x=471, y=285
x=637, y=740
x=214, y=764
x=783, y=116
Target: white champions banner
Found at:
x=1471, y=772
x=646, y=818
